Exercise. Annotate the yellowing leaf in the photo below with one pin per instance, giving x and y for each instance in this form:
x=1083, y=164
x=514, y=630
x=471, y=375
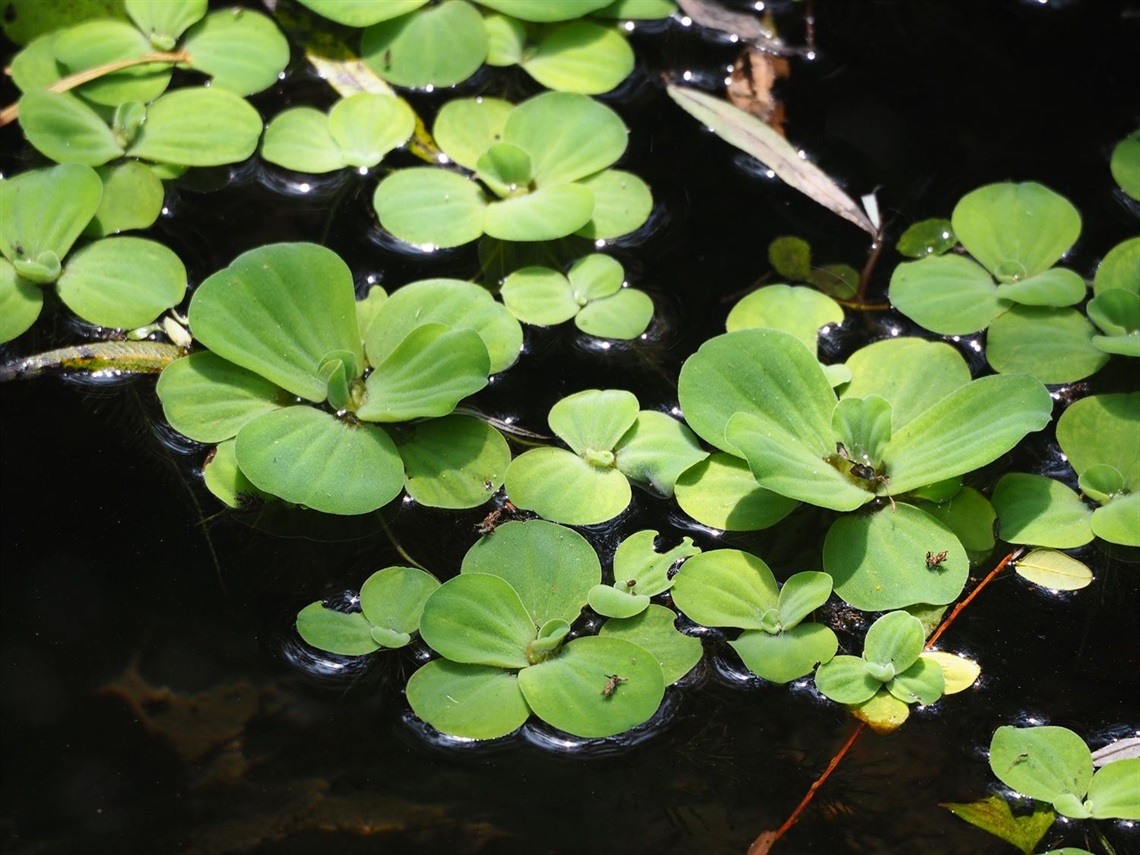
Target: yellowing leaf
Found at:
x=1054, y=570
x=960, y=673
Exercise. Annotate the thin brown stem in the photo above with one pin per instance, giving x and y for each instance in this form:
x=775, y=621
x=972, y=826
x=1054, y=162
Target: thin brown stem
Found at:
x=1013, y=556
x=10, y=113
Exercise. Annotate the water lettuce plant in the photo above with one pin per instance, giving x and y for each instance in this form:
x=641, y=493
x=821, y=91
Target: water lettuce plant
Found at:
x=1098, y=435
x=502, y=628
x=640, y=572
x=611, y=444
x=356, y=132
x=1015, y=234
x=241, y=50
x=590, y=292
x=417, y=45
x=391, y=602
x=540, y=171
x=284, y=380
x=118, y=282
x=1053, y=764
x=903, y=428
x=732, y=588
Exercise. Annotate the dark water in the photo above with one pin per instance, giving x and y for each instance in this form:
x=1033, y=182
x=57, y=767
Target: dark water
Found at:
x=154, y=700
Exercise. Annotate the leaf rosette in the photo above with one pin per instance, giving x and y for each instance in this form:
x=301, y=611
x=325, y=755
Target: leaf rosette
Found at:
x=539, y=171
x=285, y=378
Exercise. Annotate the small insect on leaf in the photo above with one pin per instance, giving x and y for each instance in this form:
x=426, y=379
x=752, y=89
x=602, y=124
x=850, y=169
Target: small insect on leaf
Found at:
x=612, y=681
x=1020, y=758
x=934, y=559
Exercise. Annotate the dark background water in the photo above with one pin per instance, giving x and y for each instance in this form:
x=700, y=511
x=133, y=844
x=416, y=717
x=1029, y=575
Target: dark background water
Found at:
x=154, y=699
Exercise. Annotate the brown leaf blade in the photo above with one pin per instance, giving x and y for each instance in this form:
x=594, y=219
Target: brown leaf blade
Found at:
x=753, y=137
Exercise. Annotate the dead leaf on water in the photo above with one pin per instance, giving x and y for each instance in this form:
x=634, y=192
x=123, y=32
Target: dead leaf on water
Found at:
x=753, y=137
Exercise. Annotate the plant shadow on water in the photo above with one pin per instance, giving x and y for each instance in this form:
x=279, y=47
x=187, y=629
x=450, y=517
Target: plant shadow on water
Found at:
x=157, y=699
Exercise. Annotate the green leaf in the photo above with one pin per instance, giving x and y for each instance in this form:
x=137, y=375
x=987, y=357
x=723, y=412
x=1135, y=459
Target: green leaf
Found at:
x=506, y=39
x=430, y=372
x=759, y=372
x=845, y=680
x=478, y=619
x=1115, y=790
x=361, y=13
x=545, y=10
x=656, y=450
x=568, y=691
x=1125, y=164
x=466, y=127
x=224, y=478
x=551, y=567
x=539, y=295
x=972, y=426
x=1053, y=287
x=1038, y=510
x=198, y=127
x=453, y=303
x=790, y=257
x=28, y=19
x=622, y=203
x=1053, y=345
x=300, y=139
x=242, y=50
x=787, y=655
x=911, y=373
x=506, y=169
x=1101, y=482
x=367, y=126
x=654, y=629
x=797, y=310
x=786, y=463
x=921, y=683
x=1102, y=429
x=308, y=457
x=637, y=9
x=100, y=42
x=162, y=23
x=946, y=294
x=878, y=561
x=470, y=701
x=1119, y=520
x=594, y=419
x=928, y=237
x=122, y=282
x=727, y=587
x=345, y=633
x=561, y=486
x=895, y=639
x=722, y=492
x=1043, y=762
x=624, y=316
x=132, y=199
x=20, y=302
x=65, y=129
x=801, y=595
x=550, y=212
x=993, y=815
x=616, y=602
x=449, y=462
x=1016, y=230
x=430, y=207
x=1117, y=313
x=568, y=136
x=46, y=210
x=278, y=310
x=594, y=277
x=1120, y=268
x=439, y=45
x=1054, y=570
x=970, y=516
x=579, y=56
x=636, y=559
x=209, y=399
x=393, y=598
x=864, y=427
